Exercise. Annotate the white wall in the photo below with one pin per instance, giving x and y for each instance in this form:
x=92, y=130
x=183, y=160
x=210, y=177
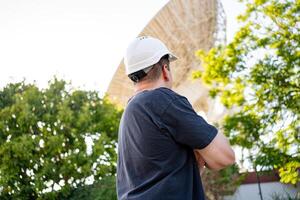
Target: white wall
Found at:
x=250, y=191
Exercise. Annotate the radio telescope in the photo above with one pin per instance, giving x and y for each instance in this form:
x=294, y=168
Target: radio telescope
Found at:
x=184, y=26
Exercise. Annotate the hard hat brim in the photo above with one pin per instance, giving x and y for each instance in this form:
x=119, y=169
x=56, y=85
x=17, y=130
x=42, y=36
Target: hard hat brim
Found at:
x=172, y=57
x=146, y=63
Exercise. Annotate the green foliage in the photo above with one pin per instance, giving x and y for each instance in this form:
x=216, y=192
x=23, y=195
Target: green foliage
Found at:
x=43, y=133
x=289, y=172
x=104, y=189
x=220, y=183
x=257, y=76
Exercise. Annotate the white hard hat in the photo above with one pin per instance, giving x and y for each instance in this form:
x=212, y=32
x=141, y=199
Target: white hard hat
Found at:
x=144, y=52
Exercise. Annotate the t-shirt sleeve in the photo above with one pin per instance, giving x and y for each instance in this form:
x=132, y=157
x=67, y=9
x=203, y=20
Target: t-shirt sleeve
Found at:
x=186, y=126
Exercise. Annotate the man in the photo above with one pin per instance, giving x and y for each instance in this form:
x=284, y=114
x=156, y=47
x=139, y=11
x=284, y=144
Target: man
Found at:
x=159, y=132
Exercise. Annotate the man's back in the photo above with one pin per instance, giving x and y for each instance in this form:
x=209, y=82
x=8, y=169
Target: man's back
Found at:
x=157, y=135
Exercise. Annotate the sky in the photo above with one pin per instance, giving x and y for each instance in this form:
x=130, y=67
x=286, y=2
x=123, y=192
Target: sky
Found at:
x=79, y=41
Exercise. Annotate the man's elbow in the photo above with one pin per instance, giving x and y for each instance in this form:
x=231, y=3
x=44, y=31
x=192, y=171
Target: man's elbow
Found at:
x=227, y=160
x=230, y=158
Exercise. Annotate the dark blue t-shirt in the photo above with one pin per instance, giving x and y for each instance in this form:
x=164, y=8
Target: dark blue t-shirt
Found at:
x=158, y=131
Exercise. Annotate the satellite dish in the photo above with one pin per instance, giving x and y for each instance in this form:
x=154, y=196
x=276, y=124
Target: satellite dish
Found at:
x=184, y=26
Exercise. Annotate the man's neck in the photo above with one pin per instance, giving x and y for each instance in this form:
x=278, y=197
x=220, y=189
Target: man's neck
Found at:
x=139, y=87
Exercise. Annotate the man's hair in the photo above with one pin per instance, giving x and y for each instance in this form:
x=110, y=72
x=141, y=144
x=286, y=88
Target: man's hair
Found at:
x=153, y=74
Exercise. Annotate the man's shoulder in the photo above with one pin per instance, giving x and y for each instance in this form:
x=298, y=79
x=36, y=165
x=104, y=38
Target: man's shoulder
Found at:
x=155, y=100
x=167, y=93
x=160, y=95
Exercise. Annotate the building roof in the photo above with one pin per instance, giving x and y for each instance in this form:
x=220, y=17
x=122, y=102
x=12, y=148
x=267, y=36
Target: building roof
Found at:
x=264, y=177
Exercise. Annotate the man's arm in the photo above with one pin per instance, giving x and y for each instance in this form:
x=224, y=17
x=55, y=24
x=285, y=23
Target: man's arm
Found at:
x=218, y=154
x=188, y=128
x=200, y=161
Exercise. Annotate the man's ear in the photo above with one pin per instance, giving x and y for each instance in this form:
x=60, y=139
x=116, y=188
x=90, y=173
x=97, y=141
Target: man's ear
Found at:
x=165, y=72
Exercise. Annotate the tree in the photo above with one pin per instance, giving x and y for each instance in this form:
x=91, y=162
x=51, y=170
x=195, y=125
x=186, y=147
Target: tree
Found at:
x=104, y=189
x=44, y=152
x=257, y=77
x=217, y=184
